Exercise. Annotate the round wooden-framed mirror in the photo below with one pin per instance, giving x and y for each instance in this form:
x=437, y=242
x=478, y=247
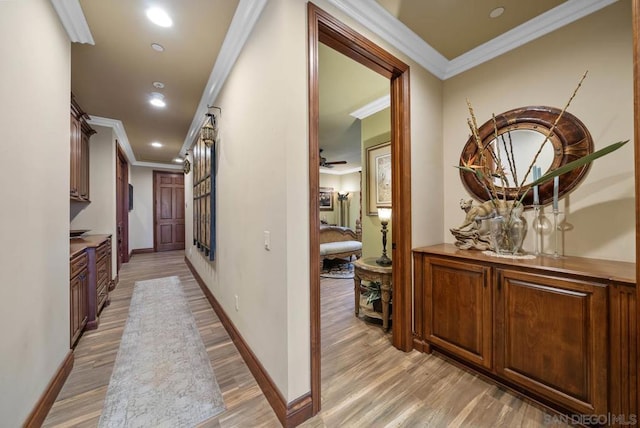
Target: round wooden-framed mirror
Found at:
x=522, y=131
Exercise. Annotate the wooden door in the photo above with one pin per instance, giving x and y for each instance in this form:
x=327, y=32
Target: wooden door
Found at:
x=169, y=211
x=551, y=338
x=458, y=309
x=122, y=209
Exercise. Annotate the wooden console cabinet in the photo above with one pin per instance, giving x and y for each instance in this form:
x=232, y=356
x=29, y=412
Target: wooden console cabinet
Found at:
x=80, y=134
x=560, y=331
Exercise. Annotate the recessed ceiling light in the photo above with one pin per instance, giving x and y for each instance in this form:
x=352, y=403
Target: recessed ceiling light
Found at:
x=157, y=47
x=157, y=100
x=178, y=160
x=156, y=144
x=159, y=17
x=158, y=85
x=496, y=12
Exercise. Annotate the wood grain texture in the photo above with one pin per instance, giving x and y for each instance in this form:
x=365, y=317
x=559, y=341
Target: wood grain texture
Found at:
x=366, y=382
x=635, y=17
x=80, y=401
x=324, y=28
x=564, y=330
x=300, y=407
x=42, y=407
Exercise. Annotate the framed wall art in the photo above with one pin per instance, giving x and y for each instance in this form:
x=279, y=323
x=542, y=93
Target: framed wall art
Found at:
x=378, y=177
x=326, y=199
x=204, y=198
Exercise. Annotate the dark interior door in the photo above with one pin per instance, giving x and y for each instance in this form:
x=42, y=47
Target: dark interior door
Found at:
x=169, y=211
x=122, y=209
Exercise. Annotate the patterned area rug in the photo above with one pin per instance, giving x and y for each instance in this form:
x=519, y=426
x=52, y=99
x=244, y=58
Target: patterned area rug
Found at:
x=337, y=269
x=162, y=375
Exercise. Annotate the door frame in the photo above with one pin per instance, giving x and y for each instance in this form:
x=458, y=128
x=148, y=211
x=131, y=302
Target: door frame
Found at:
x=155, y=205
x=635, y=17
x=122, y=206
x=324, y=28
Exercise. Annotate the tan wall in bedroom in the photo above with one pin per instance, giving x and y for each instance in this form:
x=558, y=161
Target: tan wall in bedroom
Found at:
x=600, y=210
x=34, y=169
x=332, y=181
x=376, y=129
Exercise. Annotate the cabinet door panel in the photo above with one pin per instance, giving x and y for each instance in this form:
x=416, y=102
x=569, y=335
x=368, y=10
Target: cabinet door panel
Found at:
x=551, y=337
x=75, y=157
x=458, y=309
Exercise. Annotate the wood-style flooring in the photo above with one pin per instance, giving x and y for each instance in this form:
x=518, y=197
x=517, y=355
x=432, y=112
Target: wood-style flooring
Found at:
x=365, y=381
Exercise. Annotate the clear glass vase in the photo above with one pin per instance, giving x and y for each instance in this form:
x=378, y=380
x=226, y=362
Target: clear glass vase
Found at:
x=507, y=231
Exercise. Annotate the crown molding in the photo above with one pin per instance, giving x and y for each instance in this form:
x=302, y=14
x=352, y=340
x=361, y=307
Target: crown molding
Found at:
x=372, y=108
x=545, y=23
x=123, y=142
x=324, y=170
x=376, y=18
x=73, y=20
x=244, y=19
x=159, y=165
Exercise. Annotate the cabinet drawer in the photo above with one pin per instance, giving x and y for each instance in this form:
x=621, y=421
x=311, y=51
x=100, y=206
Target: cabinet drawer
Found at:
x=77, y=264
x=103, y=249
x=102, y=272
x=101, y=295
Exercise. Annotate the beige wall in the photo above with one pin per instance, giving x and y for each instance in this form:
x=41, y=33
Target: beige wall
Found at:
x=270, y=92
x=600, y=211
x=34, y=170
x=141, y=217
x=99, y=216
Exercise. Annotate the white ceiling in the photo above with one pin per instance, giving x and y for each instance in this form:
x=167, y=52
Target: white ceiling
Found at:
x=112, y=79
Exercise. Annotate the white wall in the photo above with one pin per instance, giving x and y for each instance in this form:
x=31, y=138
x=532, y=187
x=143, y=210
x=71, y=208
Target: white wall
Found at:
x=268, y=89
x=99, y=216
x=545, y=72
x=34, y=223
x=141, y=217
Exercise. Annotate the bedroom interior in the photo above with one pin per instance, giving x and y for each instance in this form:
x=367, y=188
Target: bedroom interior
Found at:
x=546, y=330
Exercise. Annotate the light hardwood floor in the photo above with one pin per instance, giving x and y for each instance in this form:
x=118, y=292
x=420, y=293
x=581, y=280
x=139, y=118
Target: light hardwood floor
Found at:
x=365, y=381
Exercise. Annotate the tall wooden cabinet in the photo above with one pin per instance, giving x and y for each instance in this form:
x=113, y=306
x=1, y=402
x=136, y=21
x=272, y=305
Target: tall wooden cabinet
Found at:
x=80, y=134
x=561, y=331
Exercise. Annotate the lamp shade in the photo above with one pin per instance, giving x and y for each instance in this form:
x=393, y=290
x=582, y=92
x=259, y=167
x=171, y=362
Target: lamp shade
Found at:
x=208, y=133
x=384, y=214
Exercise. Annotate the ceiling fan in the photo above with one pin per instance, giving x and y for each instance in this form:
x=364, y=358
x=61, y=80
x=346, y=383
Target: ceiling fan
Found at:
x=325, y=164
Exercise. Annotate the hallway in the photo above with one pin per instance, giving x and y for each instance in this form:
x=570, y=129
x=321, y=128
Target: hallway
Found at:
x=365, y=381
x=79, y=404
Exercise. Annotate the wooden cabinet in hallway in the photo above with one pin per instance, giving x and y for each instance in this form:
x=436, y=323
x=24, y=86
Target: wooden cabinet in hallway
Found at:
x=169, y=211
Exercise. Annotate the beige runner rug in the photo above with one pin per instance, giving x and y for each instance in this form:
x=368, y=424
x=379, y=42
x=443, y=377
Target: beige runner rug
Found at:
x=162, y=376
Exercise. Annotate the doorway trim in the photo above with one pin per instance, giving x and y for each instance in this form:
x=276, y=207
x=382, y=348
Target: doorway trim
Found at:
x=122, y=203
x=156, y=177
x=324, y=28
x=635, y=17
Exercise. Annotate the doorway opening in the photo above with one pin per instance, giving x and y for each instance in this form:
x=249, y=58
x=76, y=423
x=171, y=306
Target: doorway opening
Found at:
x=168, y=212
x=122, y=209
x=323, y=28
